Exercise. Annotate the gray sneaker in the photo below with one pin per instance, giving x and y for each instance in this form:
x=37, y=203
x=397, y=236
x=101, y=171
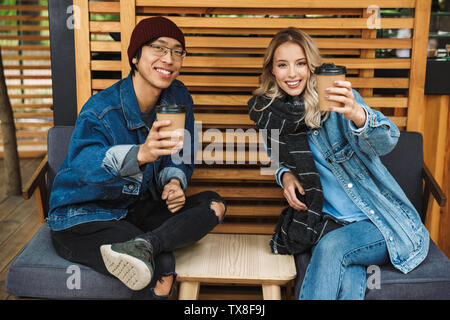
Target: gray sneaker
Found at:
x=131, y=262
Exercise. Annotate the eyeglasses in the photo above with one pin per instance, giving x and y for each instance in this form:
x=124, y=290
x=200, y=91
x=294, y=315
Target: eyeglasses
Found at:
x=161, y=51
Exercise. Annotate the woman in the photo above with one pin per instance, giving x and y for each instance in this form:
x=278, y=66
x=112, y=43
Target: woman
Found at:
x=373, y=220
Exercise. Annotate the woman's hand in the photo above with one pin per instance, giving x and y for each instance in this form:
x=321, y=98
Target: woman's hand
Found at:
x=342, y=92
x=174, y=195
x=291, y=184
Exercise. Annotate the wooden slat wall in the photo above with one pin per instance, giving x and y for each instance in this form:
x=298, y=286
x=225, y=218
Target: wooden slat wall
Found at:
x=225, y=42
x=25, y=45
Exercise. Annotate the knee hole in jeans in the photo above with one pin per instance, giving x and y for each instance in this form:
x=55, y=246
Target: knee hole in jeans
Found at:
x=218, y=208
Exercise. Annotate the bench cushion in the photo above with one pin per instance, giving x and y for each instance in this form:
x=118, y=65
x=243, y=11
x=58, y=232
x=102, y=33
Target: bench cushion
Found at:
x=429, y=281
x=39, y=272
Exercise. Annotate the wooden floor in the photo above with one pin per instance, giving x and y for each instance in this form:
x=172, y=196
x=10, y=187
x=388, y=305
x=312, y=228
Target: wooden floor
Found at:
x=18, y=220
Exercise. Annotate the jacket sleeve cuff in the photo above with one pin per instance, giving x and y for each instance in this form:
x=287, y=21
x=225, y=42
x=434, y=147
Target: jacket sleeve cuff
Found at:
x=354, y=128
x=279, y=174
x=117, y=162
x=169, y=173
x=130, y=165
x=374, y=120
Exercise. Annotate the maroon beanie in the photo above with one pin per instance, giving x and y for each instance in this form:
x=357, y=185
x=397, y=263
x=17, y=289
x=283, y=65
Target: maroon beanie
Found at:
x=152, y=28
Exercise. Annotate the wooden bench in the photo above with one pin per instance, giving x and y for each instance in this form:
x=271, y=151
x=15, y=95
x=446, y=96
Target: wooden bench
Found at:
x=226, y=41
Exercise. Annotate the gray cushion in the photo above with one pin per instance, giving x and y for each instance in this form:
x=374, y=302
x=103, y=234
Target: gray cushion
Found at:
x=429, y=281
x=39, y=272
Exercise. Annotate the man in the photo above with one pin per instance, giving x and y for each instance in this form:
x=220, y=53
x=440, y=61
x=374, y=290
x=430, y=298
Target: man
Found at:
x=118, y=203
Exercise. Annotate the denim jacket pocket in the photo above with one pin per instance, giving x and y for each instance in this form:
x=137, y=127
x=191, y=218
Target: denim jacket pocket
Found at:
x=345, y=156
x=131, y=189
x=343, y=153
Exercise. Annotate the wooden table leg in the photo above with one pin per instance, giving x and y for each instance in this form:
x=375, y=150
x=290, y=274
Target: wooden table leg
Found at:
x=189, y=290
x=271, y=292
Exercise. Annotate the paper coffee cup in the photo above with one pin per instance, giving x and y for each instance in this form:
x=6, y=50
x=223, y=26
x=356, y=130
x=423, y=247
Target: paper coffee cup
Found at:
x=326, y=75
x=176, y=114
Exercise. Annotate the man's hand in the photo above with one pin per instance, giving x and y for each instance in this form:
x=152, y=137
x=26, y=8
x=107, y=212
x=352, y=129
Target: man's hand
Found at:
x=155, y=145
x=174, y=195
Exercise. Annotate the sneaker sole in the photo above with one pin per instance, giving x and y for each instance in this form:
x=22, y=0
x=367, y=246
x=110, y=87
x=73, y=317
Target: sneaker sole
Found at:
x=133, y=272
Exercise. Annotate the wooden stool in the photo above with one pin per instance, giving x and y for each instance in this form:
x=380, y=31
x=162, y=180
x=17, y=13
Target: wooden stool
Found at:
x=233, y=258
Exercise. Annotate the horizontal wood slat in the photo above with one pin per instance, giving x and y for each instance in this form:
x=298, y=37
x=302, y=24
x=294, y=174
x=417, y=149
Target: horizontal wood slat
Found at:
x=256, y=63
x=27, y=8
x=280, y=23
x=252, y=82
x=322, y=43
x=219, y=155
x=264, y=23
x=244, y=120
x=241, y=100
x=114, y=7
x=23, y=28
x=278, y=4
x=26, y=57
x=23, y=18
x=26, y=47
x=241, y=192
x=242, y=228
x=266, y=210
x=226, y=175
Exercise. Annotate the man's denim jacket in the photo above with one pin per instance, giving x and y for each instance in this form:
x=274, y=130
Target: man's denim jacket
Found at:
x=353, y=155
x=89, y=186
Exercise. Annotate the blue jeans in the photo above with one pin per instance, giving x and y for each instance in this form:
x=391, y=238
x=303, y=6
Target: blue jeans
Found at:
x=337, y=269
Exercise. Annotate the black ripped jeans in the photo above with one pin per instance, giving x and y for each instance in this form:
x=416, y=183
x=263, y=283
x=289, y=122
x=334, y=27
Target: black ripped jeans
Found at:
x=146, y=219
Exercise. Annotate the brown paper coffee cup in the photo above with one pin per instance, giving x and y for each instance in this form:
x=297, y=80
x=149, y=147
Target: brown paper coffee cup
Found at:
x=326, y=75
x=176, y=114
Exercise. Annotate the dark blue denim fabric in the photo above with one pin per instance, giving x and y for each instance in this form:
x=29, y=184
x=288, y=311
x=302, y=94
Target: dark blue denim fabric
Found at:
x=89, y=186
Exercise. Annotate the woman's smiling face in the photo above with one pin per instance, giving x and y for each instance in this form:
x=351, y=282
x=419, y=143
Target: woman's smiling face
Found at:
x=290, y=68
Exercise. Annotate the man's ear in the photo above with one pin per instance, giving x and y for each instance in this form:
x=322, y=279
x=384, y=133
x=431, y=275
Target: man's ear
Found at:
x=135, y=61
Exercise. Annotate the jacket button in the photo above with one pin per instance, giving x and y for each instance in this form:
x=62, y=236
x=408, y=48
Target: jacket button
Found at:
x=350, y=185
x=372, y=212
x=315, y=132
x=390, y=238
x=131, y=187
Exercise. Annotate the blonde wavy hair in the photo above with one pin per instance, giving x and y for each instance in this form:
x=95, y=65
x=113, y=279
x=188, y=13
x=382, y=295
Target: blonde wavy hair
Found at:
x=268, y=86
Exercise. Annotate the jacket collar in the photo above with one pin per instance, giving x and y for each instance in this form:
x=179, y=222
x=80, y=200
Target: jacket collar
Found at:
x=130, y=106
x=129, y=103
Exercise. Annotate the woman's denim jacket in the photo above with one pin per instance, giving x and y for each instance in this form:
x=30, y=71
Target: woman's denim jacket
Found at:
x=353, y=155
x=89, y=186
